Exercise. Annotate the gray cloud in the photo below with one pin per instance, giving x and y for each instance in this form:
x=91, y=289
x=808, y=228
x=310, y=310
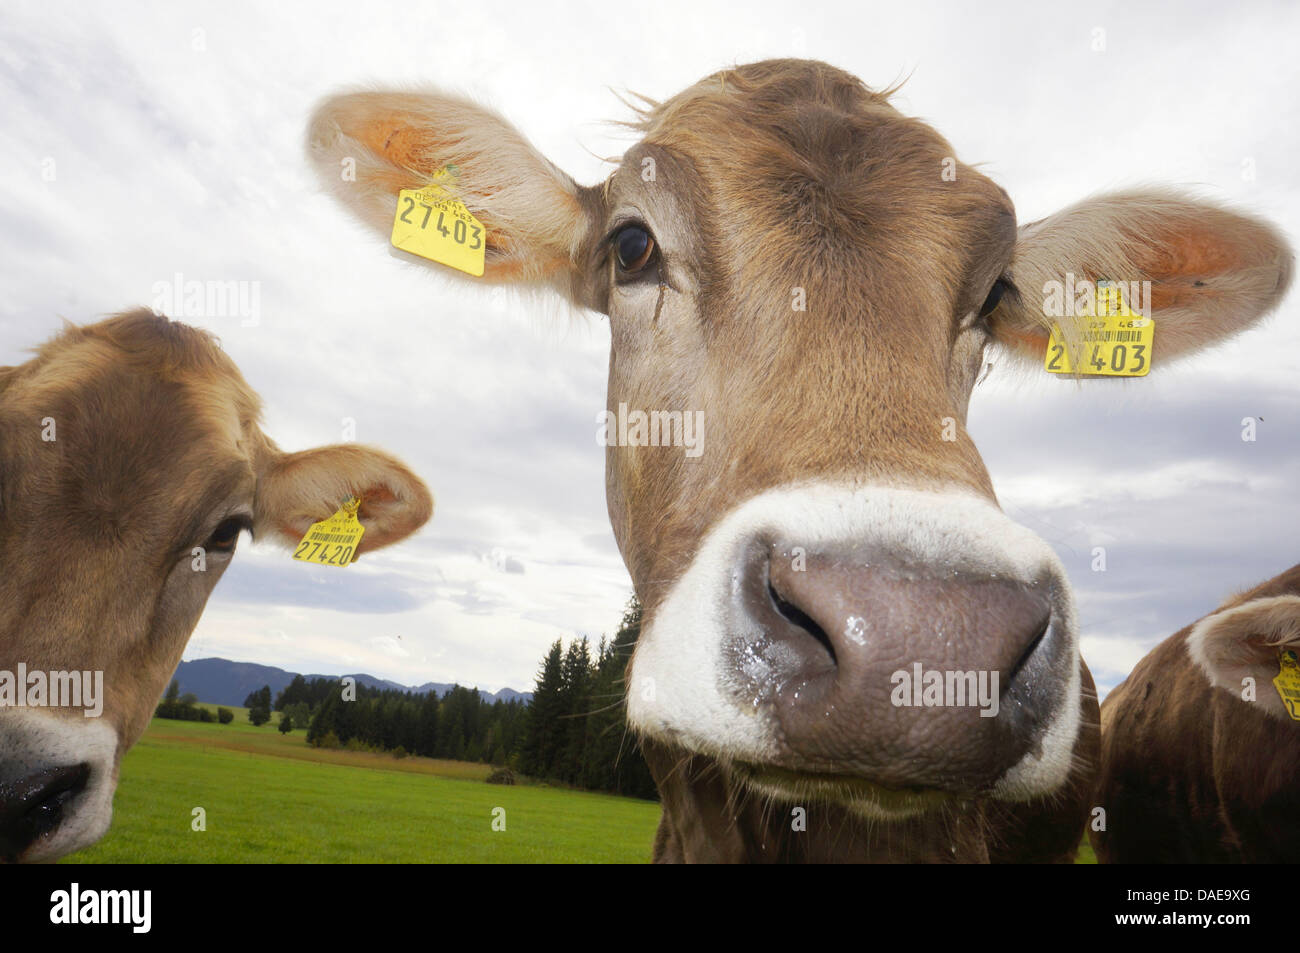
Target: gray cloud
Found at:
x=296, y=584
x=172, y=159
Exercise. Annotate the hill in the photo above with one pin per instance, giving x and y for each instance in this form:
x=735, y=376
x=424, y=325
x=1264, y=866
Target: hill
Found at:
x=224, y=682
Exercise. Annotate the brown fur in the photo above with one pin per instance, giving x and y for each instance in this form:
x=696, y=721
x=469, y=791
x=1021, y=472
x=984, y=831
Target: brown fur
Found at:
x=1191, y=772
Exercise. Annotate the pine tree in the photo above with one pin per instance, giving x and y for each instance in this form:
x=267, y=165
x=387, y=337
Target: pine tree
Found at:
x=575, y=705
x=296, y=691
x=324, y=721
x=605, y=725
x=613, y=760
x=541, y=733
x=259, y=706
x=427, y=730
x=632, y=775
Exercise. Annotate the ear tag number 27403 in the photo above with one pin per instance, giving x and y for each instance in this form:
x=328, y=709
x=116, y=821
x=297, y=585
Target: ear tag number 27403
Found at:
x=432, y=224
x=1116, y=342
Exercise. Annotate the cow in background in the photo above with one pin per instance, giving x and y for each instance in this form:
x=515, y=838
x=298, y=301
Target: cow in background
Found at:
x=126, y=447
x=1200, y=755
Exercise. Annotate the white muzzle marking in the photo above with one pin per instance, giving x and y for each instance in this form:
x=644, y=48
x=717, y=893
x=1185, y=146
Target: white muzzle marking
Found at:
x=681, y=688
x=32, y=741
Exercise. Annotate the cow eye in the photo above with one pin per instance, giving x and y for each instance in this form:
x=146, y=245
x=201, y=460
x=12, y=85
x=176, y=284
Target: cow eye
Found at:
x=226, y=535
x=634, y=248
x=995, y=295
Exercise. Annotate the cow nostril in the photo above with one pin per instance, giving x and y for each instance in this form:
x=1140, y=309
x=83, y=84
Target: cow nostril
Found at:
x=33, y=806
x=797, y=617
x=1028, y=653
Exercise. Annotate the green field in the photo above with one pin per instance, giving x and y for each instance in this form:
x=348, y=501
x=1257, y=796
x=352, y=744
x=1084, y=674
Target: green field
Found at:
x=1085, y=854
x=269, y=798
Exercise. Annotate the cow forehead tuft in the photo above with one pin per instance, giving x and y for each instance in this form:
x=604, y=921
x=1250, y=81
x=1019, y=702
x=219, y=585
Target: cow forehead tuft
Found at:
x=141, y=341
x=132, y=409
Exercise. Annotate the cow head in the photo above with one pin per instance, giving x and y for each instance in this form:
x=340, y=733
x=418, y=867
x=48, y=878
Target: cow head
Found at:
x=131, y=460
x=811, y=279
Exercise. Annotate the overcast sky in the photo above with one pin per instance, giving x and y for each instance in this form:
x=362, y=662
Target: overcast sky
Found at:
x=144, y=140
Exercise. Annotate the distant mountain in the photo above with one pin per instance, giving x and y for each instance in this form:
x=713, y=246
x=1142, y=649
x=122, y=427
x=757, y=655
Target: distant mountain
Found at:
x=503, y=695
x=223, y=682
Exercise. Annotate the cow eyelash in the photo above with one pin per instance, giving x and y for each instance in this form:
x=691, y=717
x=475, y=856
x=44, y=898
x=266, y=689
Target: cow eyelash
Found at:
x=225, y=537
x=1003, y=289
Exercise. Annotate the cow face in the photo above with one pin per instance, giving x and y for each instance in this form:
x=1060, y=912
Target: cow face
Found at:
x=130, y=463
x=810, y=280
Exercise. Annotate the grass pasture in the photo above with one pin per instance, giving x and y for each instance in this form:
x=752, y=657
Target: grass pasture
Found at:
x=269, y=798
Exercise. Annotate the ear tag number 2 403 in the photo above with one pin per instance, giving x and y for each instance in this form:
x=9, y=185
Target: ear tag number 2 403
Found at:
x=1116, y=343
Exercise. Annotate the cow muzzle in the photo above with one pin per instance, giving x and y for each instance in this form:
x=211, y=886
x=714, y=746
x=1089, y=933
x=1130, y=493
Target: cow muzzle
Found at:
x=880, y=647
x=56, y=785
x=916, y=680
x=32, y=807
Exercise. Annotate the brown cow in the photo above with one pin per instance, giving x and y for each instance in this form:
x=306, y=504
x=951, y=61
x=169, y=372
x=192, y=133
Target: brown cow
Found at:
x=1200, y=757
x=811, y=279
x=131, y=459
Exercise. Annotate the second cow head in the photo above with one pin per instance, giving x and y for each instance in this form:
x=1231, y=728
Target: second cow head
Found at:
x=131, y=460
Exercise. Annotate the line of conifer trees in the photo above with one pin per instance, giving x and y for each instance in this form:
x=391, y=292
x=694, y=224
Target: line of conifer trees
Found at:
x=460, y=725
x=576, y=730
x=573, y=731
x=186, y=707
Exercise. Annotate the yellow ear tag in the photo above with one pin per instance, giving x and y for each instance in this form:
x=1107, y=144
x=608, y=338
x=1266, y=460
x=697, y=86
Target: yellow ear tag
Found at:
x=432, y=224
x=1115, y=343
x=333, y=541
x=1287, y=682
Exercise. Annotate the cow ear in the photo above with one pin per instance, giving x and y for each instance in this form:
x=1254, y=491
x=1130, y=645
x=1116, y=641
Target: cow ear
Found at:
x=1213, y=272
x=298, y=489
x=368, y=146
x=1243, y=642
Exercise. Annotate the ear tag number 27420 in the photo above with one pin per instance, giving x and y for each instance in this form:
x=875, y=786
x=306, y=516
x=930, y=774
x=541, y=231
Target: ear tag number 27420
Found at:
x=332, y=541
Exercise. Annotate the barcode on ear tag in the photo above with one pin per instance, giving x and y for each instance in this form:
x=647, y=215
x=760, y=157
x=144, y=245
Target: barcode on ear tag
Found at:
x=332, y=541
x=1115, y=342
